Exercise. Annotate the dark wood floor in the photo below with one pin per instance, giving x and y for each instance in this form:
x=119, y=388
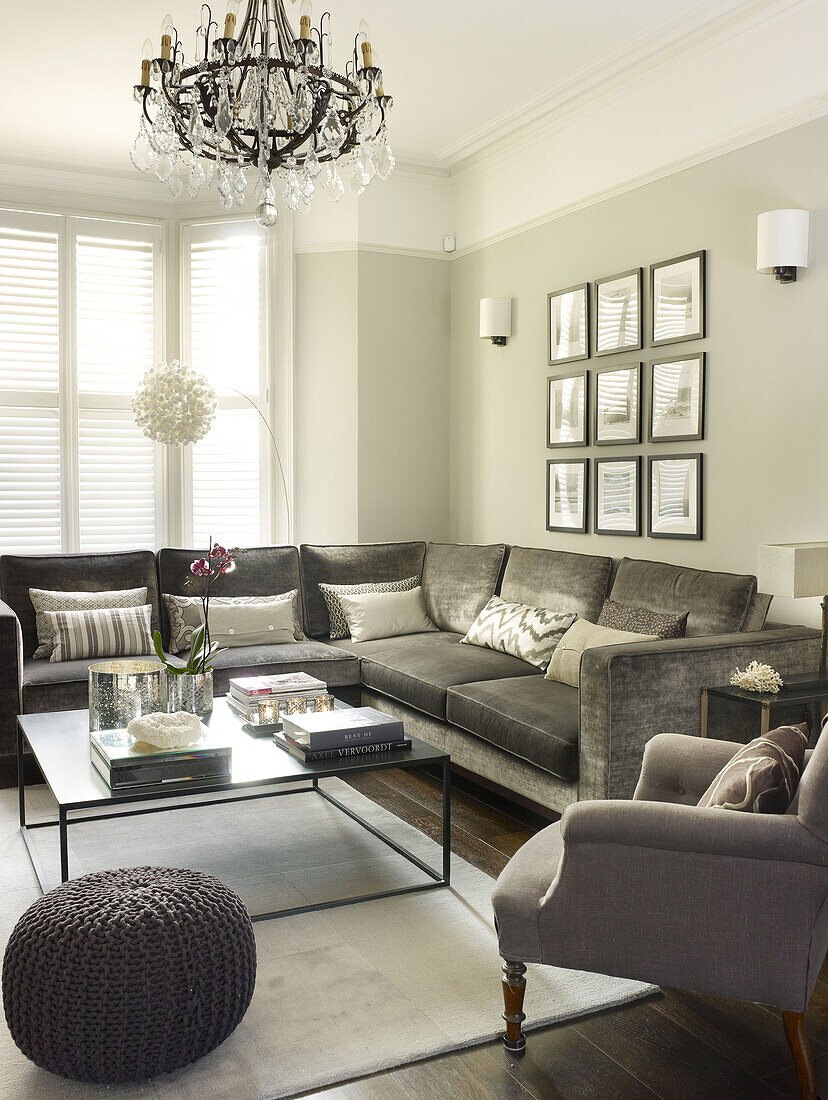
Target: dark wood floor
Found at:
x=677, y=1046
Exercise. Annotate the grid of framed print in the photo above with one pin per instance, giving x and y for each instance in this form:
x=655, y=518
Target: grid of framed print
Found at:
x=609, y=318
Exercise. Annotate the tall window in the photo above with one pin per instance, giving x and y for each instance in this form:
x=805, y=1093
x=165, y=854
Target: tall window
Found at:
x=80, y=321
x=225, y=338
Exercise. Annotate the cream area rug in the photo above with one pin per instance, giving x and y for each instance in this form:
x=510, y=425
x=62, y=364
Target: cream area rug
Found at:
x=340, y=993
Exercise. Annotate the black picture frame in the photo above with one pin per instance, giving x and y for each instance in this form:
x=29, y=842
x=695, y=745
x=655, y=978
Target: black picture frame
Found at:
x=701, y=329
x=636, y=273
x=698, y=533
x=582, y=527
x=550, y=382
x=635, y=532
x=599, y=372
x=582, y=288
x=699, y=357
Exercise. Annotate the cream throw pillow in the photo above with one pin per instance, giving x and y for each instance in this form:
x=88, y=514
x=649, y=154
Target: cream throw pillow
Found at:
x=385, y=614
x=252, y=624
x=565, y=666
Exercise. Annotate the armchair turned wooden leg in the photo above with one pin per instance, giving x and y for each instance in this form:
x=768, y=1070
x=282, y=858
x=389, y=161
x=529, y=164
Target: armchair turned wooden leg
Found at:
x=801, y=1049
x=514, y=987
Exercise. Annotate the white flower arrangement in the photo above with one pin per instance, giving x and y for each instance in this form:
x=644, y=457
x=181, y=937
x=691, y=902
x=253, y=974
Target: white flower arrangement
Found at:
x=759, y=678
x=174, y=404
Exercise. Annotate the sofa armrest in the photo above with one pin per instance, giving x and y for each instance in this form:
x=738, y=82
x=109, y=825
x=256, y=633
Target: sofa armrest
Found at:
x=691, y=829
x=11, y=678
x=629, y=693
x=679, y=769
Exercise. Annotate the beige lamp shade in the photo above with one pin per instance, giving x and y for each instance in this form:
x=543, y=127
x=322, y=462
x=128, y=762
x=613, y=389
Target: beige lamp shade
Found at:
x=794, y=570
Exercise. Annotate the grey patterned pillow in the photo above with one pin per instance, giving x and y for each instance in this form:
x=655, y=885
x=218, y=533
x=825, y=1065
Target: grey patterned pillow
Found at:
x=44, y=601
x=331, y=593
x=106, y=632
x=763, y=776
x=185, y=614
x=530, y=633
x=640, y=620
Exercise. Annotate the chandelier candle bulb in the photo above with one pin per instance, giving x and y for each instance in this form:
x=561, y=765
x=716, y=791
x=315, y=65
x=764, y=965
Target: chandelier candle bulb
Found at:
x=167, y=31
x=146, y=63
x=230, y=19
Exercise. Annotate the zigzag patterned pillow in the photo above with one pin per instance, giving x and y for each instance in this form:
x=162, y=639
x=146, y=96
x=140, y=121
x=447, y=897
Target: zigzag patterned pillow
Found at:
x=530, y=633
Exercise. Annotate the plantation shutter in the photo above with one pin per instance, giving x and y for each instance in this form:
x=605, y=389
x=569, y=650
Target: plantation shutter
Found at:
x=30, y=500
x=116, y=324
x=225, y=339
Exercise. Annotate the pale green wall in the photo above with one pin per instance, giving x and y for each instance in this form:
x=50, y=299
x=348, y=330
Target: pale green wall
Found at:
x=403, y=397
x=371, y=396
x=766, y=443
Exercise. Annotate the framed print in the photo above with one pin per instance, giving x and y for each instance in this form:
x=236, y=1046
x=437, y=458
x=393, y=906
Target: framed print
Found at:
x=618, y=496
x=566, y=495
x=568, y=312
x=567, y=400
x=675, y=510
x=677, y=399
x=677, y=299
x=618, y=312
x=617, y=417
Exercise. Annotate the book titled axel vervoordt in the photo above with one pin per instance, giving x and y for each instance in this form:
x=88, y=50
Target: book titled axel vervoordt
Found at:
x=349, y=752
x=339, y=729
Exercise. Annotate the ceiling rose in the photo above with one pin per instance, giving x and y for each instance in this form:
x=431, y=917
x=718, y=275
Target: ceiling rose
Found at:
x=262, y=99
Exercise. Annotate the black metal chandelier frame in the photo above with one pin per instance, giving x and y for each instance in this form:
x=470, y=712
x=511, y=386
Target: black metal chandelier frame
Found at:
x=196, y=87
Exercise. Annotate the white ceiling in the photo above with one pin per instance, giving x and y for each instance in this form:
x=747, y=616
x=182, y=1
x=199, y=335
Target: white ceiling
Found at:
x=461, y=71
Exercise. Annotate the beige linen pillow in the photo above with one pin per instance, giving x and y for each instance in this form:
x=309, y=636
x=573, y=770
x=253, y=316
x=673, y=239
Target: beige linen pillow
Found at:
x=185, y=613
x=252, y=624
x=565, y=666
x=385, y=614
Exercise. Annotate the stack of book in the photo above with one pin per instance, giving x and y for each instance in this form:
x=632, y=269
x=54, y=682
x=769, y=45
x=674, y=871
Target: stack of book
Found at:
x=247, y=692
x=339, y=734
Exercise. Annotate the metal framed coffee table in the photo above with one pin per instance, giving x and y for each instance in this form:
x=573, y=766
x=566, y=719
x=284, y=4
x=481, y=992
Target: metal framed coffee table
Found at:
x=60, y=745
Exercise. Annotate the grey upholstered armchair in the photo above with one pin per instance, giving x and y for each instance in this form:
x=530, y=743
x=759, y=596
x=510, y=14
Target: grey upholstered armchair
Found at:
x=656, y=889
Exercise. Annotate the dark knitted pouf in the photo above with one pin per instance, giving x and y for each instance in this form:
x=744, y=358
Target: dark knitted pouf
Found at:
x=123, y=975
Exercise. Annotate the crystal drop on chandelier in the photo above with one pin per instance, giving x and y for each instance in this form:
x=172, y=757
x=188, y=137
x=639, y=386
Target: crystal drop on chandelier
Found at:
x=312, y=165
x=163, y=167
x=385, y=160
x=197, y=178
x=175, y=182
x=142, y=154
x=332, y=134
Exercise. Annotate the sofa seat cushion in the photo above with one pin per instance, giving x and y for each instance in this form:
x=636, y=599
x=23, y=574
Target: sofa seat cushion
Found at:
x=532, y=718
x=64, y=686
x=420, y=675
x=392, y=645
x=336, y=668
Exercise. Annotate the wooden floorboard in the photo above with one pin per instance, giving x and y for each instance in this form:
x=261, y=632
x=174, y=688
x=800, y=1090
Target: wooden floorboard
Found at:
x=676, y=1046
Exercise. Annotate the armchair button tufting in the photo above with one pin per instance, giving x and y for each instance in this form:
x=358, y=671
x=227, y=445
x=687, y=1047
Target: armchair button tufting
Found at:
x=681, y=790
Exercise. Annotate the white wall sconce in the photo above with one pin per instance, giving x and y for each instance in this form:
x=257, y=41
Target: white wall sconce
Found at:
x=496, y=320
x=782, y=243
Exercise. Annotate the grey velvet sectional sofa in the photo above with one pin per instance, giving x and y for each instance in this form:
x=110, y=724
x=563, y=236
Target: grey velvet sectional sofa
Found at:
x=499, y=718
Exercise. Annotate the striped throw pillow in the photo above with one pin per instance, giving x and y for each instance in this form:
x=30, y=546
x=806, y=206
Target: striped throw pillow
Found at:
x=44, y=600
x=107, y=632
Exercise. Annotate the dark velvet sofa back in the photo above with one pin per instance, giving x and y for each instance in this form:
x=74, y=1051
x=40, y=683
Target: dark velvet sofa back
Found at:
x=718, y=603
x=558, y=580
x=458, y=582
x=73, y=573
x=367, y=564
x=260, y=571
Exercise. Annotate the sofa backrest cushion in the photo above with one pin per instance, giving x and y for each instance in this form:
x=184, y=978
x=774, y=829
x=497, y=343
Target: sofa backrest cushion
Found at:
x=718, y=603
x=458, y=582
x=557, y=580
x=386, y=561
x=260, y=571
x=73, y=573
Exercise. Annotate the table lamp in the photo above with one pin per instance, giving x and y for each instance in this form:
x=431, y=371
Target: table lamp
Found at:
x=794, y=570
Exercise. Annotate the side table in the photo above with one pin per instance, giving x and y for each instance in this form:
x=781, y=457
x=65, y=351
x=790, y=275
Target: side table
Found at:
x=804, y=689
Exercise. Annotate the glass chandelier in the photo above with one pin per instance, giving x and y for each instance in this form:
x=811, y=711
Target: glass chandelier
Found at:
x=264, y=100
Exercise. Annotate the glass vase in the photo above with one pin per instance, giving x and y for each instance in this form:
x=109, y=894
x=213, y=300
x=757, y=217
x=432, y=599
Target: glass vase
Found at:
x=190, y=692
x=122, y=690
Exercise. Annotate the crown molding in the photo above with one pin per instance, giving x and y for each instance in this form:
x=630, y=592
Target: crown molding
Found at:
x=598, y=85
x=803, y=113
x=367, y=246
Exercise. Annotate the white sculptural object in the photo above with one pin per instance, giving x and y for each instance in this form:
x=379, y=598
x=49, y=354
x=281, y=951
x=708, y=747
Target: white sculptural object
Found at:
x=166, y=731
x=757, y=677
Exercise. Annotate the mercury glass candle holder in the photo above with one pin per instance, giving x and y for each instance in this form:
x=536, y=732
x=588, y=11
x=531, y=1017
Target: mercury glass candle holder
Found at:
x=122, y=690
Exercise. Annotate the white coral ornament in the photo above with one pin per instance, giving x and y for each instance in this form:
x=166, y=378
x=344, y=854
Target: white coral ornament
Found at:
x=166, y=731
x=759, y=678
x=174, y=404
